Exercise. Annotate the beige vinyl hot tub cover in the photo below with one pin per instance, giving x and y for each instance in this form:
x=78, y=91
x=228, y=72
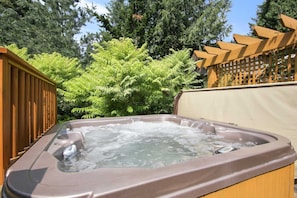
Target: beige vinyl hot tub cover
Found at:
x=268, y=107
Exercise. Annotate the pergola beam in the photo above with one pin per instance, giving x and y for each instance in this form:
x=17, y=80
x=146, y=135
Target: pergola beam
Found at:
x=265, y=32
x=201, y=54
x=206, y=58
x=247, y=40
x=288, y=22
x=229, y=46
x=246, y=46
x=215, y=50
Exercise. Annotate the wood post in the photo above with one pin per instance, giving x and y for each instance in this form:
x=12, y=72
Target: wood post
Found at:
x=5, y=115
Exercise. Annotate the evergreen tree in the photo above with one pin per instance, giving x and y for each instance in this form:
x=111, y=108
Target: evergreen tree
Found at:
x=42, y=26
x=268, y=13
x=168, y=24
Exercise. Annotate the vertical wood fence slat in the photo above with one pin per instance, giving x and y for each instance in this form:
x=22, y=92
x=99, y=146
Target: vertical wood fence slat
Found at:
x=269, y=70
x=39, y=121
x=35, y=110
x=276, y=64
x=54, y=110
x=15, y=111
x=255, y=70
x=27, y=111
x=47, y=112
x=21, y=116
x=51, y=104
x=289, y=68
x=32, y=109
x=258, y=67
x=40, y=110
x=5, y=115
x=281, y=69
x=241, y=66
x=27, y=107
x=43, y=114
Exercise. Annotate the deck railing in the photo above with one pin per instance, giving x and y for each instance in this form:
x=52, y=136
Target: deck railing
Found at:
x=270, y=57
x=27, y=107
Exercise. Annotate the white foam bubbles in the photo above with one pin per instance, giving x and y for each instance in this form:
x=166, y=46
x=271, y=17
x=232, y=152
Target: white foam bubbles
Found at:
x=143, y=145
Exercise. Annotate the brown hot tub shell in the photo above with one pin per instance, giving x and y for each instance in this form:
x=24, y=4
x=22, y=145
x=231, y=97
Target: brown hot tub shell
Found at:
x=36, y=173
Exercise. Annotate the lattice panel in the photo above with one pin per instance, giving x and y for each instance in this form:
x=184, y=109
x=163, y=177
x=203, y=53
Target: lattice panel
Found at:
x=278, y=66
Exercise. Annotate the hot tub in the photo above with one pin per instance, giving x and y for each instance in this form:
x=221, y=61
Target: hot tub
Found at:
x=253, y=158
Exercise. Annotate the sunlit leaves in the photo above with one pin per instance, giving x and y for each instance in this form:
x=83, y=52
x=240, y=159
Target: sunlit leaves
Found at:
x=21, y=52
x=125, y=80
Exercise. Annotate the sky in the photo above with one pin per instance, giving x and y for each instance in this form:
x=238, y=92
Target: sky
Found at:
x=240, y=15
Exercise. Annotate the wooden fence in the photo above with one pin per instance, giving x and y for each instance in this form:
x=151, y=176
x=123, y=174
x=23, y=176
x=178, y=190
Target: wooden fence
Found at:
x=271, y=57
x=27, y=107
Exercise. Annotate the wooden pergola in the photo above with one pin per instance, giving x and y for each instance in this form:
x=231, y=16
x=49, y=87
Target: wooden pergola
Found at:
x=269, y=57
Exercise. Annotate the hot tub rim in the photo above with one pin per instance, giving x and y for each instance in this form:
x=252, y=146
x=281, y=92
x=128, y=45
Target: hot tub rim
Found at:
x=280, y=162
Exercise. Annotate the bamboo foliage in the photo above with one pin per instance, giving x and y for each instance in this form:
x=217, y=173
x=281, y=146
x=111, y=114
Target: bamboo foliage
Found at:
x=269, y=58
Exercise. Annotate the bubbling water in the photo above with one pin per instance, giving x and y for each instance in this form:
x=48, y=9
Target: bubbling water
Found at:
x=144, y=145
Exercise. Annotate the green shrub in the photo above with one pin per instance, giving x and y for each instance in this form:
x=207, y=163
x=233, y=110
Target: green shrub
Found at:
x=21, y=52
x=60, y=69
x=125, y=80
